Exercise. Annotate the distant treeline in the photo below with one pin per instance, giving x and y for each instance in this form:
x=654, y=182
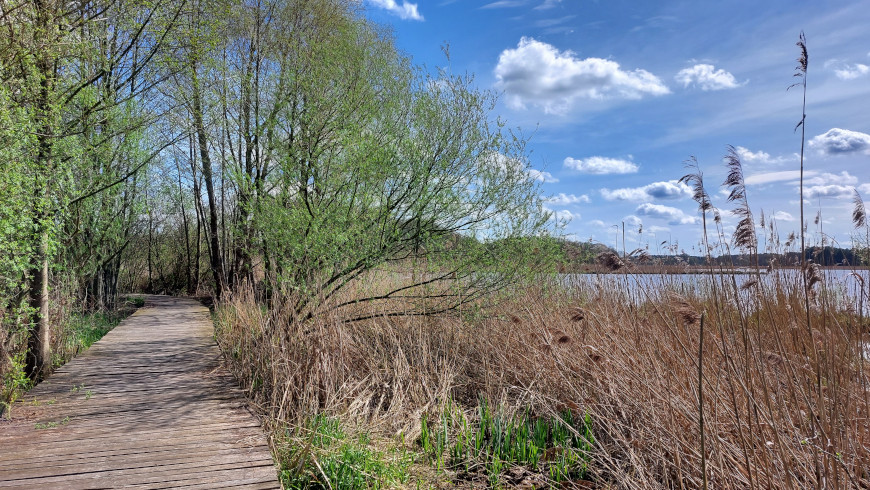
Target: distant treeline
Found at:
x=575, y=254
x=826, y=256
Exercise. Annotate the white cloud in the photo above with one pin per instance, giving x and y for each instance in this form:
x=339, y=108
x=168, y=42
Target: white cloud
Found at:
x=672, y=215
x=548, y=4
x=841, y=141
x=405, y=11
x=512, y=165
x=563, y=215
x=707, y=77
x=842, y=178
x=632, y=220
x=598, y=223
x=847, y=71
x=538, y=74
x=671, y=189
x=768, y=177
x=601, y=165
x=759, y=157
x=563, y=199
x=504, y=4
x=542, y=176
x=832, y=190
x=782, y=216
x=852, y=72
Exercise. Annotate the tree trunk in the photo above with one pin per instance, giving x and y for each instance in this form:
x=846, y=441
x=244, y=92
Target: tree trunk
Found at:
x=214, y=237
x=39, y=342
x=150, y=288
x=189, y=283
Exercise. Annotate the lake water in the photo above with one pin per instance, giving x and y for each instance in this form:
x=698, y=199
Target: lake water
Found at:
x=847, y=289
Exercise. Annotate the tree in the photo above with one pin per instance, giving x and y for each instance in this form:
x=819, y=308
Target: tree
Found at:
x=381, y=166
x=72, y=67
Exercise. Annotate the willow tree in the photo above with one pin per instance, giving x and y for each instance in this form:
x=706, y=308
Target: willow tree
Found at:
x=196, y=64
x=380, y=167
x=16, y=229
x=69, y=65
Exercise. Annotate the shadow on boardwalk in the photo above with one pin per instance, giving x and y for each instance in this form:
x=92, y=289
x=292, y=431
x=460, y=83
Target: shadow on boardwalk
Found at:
x=147, y=406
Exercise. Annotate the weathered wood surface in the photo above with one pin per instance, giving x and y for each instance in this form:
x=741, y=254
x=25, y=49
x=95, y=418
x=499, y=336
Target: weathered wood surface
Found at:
x=147, y=406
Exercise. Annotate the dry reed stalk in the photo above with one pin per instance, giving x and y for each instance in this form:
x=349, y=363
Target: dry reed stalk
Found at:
x=626, y=362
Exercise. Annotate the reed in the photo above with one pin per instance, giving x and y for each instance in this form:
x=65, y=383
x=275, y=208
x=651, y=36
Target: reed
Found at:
x=628, y=361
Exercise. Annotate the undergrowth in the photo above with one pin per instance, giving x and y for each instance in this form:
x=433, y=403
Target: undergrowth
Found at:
x=322, y=454
x=549, y=449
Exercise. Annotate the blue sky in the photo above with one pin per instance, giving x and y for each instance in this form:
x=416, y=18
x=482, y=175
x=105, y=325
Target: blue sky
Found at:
x=618, y=94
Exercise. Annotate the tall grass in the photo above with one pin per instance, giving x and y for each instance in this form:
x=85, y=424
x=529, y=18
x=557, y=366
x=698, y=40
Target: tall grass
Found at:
x=625, y=357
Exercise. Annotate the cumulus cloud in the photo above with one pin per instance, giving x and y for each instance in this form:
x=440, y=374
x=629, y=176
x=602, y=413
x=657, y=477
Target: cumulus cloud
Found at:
x=567, y=199
x=825, y=178
x=563, y=215
x=851, y=72
x=601, y=165
x=538, y=74
x=405, y=11
x=707, y=77
x=598, y=223
x=671, y=189
x=542, y=176
x=672, y=215
x=512, y=165
x=759, y=157
x=632, y=220
x=834, y=191
x=847, y=71
x=840, y=141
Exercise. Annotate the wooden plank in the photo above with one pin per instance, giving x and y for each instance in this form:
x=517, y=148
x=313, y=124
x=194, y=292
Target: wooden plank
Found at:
x=149, y=405
x=137, y=441
x=174, y=475
x=207, y=445
x=132, y=462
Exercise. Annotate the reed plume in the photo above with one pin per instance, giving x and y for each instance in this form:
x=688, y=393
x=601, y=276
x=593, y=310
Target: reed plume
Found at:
x=640, y=255
x=611, y=260
x=744, y=234
x=695, y=178
x=683, y=309
x=813, y=274
x=859, y=212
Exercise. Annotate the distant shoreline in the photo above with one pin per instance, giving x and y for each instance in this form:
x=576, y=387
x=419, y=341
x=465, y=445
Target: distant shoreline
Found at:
x=596, y=269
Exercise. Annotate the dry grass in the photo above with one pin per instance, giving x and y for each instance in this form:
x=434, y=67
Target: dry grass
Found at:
x=784, y=406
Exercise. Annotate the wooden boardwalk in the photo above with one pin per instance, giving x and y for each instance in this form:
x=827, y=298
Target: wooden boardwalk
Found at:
x=148, y=406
